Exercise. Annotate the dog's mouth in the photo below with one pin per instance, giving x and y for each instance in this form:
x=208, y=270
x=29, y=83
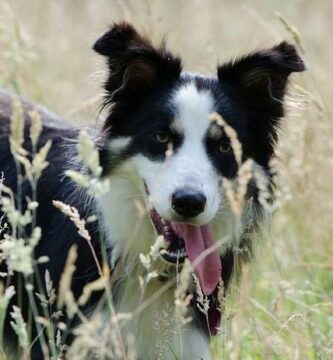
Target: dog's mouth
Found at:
x=194, y=242
x=175, y=252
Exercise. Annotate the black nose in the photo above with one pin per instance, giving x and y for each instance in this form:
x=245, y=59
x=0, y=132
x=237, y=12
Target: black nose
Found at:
x=188, y=203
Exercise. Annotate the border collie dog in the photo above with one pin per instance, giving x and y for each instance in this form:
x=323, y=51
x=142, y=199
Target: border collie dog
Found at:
x=160, y=146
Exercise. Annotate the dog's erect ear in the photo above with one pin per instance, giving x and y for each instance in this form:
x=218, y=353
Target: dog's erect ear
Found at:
x=259, y=82
x=135, y=65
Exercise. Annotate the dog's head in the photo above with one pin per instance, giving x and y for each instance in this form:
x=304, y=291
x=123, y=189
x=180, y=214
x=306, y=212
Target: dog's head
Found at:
x=161, y=121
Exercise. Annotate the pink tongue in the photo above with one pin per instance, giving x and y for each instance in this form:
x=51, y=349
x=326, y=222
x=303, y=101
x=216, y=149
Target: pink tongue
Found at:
x=197, y=239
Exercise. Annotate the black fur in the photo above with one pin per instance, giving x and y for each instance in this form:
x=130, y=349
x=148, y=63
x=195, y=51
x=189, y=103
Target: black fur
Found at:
x=248, y=94
x=136, y=67
x=58, y=233
x=257, y=83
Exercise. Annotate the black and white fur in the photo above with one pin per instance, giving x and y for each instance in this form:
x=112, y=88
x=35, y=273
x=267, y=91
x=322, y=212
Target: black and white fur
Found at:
x=150, y=98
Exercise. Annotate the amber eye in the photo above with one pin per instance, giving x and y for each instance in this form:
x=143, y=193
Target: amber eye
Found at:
x=224, y=148
x=162, y=138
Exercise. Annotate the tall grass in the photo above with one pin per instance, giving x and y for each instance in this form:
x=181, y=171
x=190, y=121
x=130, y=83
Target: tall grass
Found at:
x=283, y=307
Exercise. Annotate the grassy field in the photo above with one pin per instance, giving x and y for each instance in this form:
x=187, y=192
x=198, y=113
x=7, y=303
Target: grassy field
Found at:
x=283, y=306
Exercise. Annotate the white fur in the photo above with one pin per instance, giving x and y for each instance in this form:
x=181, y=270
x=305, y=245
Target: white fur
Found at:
x=130, y=234
x=157, y=332
x=190, y=166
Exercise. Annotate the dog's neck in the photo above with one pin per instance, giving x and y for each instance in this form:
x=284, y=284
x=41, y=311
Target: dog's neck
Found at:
x=125, y=217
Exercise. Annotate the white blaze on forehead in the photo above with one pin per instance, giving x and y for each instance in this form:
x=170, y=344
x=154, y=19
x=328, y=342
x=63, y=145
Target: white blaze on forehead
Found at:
x=188, y=166
x=193, y=108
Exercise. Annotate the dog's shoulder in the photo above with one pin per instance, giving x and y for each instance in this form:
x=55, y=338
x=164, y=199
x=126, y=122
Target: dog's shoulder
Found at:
x=54, y=128
x=58, y=232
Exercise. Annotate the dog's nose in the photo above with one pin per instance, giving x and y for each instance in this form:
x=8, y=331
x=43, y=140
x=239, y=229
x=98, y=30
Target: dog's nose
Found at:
x=188, y=203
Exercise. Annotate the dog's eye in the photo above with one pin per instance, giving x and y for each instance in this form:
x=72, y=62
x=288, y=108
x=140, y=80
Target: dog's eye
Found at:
x=224, y=148
x=162, y=138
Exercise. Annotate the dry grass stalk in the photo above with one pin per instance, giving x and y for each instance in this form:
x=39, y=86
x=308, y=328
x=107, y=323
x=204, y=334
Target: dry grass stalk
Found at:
x=245, y=170
x=74, y=216
x=182, y=298
x=231, y=134
x=96, y=285
x=89, y=154
x=236, y=191
x=201, y=299
x=20, y=328
x=36, y=127
x=17, y=129
x=80, y=224
x=292, y=30
x=65, y=295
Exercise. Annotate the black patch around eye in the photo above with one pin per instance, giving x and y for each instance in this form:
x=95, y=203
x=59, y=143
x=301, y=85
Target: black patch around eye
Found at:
x=148, y=145
x=140, y=122
x=224, y=162
x=143, y=143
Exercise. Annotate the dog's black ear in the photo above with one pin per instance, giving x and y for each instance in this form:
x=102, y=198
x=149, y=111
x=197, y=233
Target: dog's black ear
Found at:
x=259, y=81
x=135, y=65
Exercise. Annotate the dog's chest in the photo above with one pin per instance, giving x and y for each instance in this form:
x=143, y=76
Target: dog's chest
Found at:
x=155, y=329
